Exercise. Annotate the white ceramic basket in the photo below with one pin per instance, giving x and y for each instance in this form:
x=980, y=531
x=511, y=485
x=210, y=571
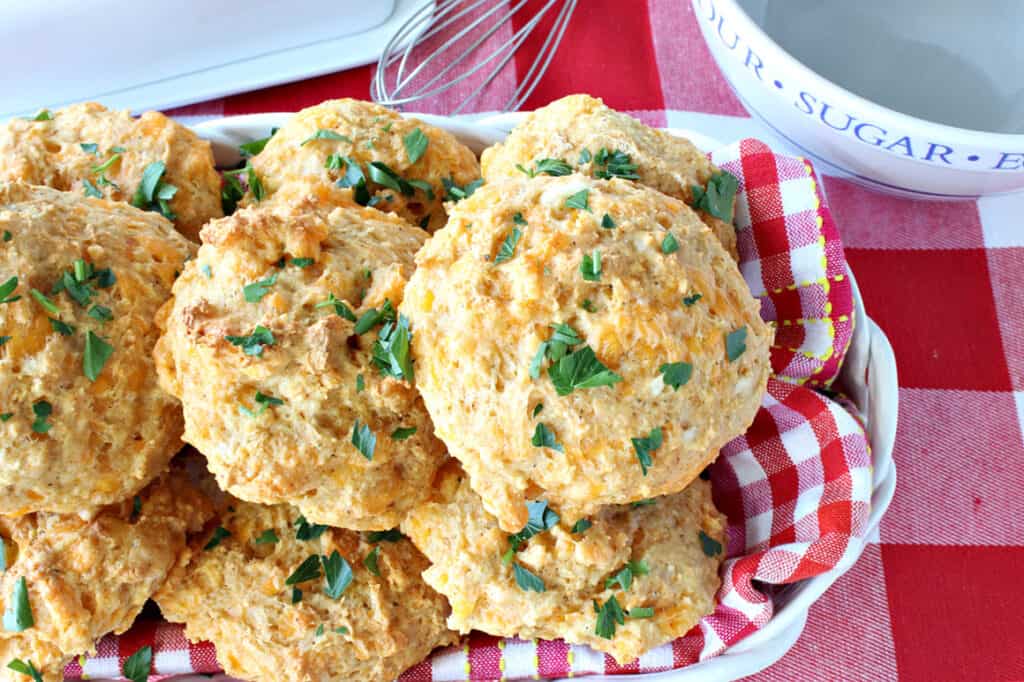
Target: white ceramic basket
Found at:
x=868, y=378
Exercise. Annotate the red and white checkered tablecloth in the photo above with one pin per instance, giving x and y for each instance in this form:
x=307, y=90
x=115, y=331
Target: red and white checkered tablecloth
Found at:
x=937, y=595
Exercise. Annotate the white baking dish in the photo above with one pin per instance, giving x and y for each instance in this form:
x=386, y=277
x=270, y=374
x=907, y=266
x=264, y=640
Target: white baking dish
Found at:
x=868, y=378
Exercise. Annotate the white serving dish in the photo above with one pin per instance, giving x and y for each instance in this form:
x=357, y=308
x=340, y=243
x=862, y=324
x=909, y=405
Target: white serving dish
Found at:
x=868, y=378
x=158, y=55
x=849, y=135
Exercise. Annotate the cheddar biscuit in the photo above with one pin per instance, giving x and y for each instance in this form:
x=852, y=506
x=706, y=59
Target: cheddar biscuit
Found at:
x=585, y=341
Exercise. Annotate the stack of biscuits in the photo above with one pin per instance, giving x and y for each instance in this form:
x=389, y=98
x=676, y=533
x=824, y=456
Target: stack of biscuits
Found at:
x=364, y=393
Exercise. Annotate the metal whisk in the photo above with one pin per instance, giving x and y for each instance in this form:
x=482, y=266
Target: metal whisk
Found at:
x=440, y=46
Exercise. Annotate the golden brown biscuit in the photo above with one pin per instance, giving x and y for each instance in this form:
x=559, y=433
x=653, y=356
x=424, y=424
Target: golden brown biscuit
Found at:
x=602, y=409
x=84, y=579
x=268, y=622
x=576, y=128
x=82, y=422
x=658, y=562
x=369, y=133
x=306, y=411
x=89, y=150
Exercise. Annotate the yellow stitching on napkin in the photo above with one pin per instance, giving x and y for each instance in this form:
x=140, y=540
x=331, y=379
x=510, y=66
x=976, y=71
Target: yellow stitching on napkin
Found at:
x=501, y=657
x=821, y=281
x=570, y=659
x=469, y=669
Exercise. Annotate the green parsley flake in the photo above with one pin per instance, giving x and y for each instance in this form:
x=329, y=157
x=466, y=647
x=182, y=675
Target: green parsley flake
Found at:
x=18, y=616
x=607, y=616
x=391, y=350
x=360, y=383
x=585, y=156
x=25, y=668
x=719, y=196
x=319, y=632
x=302, y=262
x=3, y=555
x=640, y=612
x=403, y=432
x=736, y=343
x=206, y=270
x=544, y=437
x=43, y=115
x=393, y=535
x=580, y=369
x=508, y=247
x=370, y=561
x=97, y=352
x=308, y=570
x=308, y=531
x=649, y=502
x=7, y=288
x=139, y=665
x=691, y=299
x=42, y=410
x=581, y=526
x=322, y=134
x=102, y=168
x=526, y=580
x=254, y=343
x=90, y=148
x=580, y=200
x=590, y=266
x=645, y=446
x=153, y=193
x=267, y=537
x=538, y=409
x=253, y=148
x=588, y=305
x=452, y=192
x=337, y=574
x=624, y=578
x=539, y=518
x=219, y=533
x=101, y=313
x=669, y=244
x=607, y=222
x=7, y=236
x=615, y=164
x=709, y=545
x=340, y=308
x=296, y=595
x=415, y=144
x=364, y=440
x=264, y=401
x=372, y=317
x=676, y=374
x=518, y=219
x=136, y=507
x=60, y=327
x=91, y=190
x=47, y=304
x=255, y=291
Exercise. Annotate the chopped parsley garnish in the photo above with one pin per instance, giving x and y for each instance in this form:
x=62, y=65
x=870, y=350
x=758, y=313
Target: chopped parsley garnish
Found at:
x=296, y=595
x=48, y=305
x=153, y=193
x=254, y=343
x=624, y=578
x=97, y=352
x=322, y=134
x=18, y=616
x=139, y=665
x=383, y=175
x=372, y=317
x=669, y=244
x=43, y=115
x=393, y=535
x=645, y=446
x=319, y=632
x=585, y=156
x=7, y=288
x=391, y=350
x=452, y=192
x=403, y=432
x=543, y=437
x=540, y=517
x=337, y=574
x=518, y=218
x=308, y=531
x=255, y=291
x=640, y=612
x=102, y=168
x=649, y=502
x=415, y=144
x=264, y=401
x=251, y=179
x=370, y=561
x=709, y=545
x=256, y=146
x=219, y=533
x=590, y=266
x=267, y=537
x=90, y=148
x=581, y=526
x=526, y=580
x=508, y=247
x=608, y=615
x=7, y=236
x=101, y=313
x=3, y=555
x=607, y=222
x=538, y=408
x=555, y=167
x=91, y=190
x=340, y=308
x=736, y=343
x=136, y=507
x=615, y=164
x=309, y=569
x=588, y=305
x=360, y=383
x=580, y=369
x=717, y=198
x=42, y=410
x=302, y=262
x=580, y=200
x=25, y=668
x=6, y=415
x=691, y=299
x=676, y=374
x=61, y=328
x=206, y=270
x=364, y=439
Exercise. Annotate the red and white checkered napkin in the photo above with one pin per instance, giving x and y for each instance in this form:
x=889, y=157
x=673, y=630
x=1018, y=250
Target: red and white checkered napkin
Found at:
x=796, y=487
